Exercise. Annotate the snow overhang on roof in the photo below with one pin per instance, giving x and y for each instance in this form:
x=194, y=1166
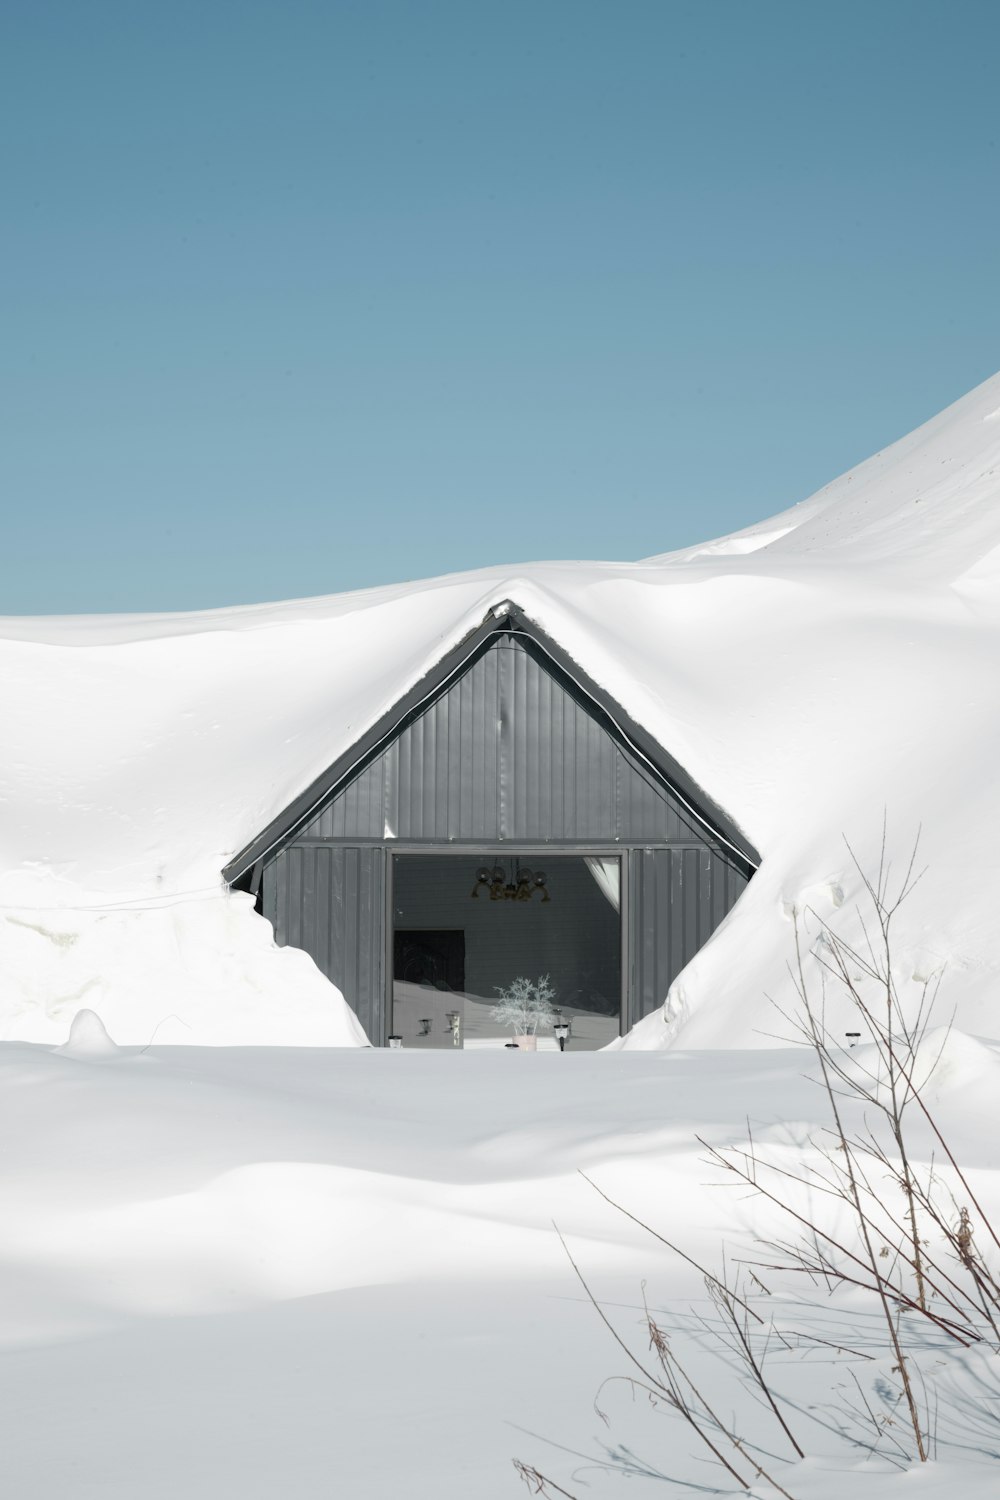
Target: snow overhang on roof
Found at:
x=505, y=616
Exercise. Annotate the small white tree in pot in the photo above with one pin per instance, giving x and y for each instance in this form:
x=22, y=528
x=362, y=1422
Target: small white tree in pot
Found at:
x=524, y=1005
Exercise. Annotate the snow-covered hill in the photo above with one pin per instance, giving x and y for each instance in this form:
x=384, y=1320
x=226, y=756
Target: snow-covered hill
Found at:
x=815, y=673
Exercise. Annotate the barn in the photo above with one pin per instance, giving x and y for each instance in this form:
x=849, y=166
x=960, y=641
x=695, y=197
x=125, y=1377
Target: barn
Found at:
x=505, y=819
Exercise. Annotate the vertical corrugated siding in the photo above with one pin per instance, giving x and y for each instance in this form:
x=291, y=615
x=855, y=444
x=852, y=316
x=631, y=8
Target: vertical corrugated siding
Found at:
x=646, y=811
x=446, y=767
x=558, y=764
x=505, y=753
x=678, y=897
x=359, y=811
x=327, y=899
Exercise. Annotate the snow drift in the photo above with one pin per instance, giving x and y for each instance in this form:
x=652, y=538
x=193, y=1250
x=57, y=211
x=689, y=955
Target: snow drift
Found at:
x=815, y=674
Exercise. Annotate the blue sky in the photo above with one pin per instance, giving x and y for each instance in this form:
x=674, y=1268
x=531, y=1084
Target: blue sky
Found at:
x=303, y=297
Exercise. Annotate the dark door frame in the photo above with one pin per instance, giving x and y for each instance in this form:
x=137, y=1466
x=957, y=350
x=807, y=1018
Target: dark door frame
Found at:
x=508, y=850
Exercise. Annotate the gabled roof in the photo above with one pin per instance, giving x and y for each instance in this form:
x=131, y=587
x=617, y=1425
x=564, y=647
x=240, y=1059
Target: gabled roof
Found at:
x=508, y=618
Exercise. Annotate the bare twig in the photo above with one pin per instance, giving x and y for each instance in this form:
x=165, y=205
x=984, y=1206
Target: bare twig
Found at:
x=537, y=1483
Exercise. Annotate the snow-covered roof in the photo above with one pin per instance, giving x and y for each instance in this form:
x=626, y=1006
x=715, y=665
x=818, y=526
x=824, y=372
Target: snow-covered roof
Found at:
x=505, y=617
x=812, y=674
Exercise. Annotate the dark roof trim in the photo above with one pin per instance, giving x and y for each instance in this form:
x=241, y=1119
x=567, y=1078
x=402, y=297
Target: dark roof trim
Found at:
x=503, y=618
x=647, y=749
x=365, y=749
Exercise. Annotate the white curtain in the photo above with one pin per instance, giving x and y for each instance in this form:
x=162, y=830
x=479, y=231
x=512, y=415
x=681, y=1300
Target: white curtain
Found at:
x=607, y=873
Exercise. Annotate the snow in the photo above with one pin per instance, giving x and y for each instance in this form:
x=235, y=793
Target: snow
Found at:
x=88, y=1038
x=831, y=666
x=257, y=1271
x=265, y=1260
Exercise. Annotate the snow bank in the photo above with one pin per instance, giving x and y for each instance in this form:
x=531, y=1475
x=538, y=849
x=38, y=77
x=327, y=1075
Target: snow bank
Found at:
x=830, y=666
x=201, y=968
x=259, y=1273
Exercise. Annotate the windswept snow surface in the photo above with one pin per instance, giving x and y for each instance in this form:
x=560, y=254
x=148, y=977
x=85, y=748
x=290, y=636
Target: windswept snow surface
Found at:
x=814, y=673
x=246, y=1274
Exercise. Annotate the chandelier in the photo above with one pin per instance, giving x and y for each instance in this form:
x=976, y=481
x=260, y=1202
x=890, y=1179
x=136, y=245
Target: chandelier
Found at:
x=516, y=884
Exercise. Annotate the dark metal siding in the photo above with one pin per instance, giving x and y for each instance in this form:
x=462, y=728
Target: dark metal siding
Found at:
x=506, y=753
x=328, y=900
x=677, y=898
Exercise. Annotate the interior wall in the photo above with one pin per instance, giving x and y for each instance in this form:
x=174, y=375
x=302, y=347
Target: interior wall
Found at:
x=574, y=937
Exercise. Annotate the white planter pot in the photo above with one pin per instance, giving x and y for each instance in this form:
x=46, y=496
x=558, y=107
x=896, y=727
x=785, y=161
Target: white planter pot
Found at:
x=527, y=1043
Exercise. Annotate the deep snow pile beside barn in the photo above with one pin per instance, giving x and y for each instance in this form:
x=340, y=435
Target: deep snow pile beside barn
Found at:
x=816, y=672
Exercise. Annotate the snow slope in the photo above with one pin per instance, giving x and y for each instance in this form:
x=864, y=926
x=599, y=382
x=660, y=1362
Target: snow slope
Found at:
x=814, y=673
x=245, y=1274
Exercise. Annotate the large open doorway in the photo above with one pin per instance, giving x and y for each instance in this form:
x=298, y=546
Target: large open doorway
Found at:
x=466, y=926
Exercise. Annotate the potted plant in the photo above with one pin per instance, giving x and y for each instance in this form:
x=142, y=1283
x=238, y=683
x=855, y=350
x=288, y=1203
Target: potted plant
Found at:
x=524, y=1005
